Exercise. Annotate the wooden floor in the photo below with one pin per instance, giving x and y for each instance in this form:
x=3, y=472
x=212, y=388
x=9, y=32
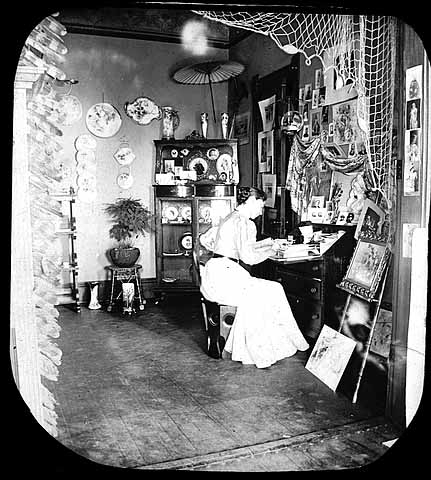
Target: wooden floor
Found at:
x=140, y=392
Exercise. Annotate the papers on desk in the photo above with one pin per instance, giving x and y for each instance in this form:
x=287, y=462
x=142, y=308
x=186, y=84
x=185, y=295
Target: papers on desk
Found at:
x=307, y=250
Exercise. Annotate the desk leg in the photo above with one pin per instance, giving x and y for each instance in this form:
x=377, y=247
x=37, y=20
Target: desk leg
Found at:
x=111, y=299
x=142, y=301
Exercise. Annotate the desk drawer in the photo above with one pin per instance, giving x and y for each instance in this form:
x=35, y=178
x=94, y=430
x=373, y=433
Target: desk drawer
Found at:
x=310, y=268
x=300, y=286
x=308, y=315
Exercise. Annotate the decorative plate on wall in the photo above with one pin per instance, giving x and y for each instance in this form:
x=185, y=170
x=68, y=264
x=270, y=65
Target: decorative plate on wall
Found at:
x=213, y=153
x=85, y=142
x=124, y=156
x=69, y=110
x=125, y=180
x=103, y=120
x=85, y=156
x=143, y=110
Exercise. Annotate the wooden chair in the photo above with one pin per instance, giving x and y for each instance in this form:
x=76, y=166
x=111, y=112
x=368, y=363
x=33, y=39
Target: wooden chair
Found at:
x=218, y=317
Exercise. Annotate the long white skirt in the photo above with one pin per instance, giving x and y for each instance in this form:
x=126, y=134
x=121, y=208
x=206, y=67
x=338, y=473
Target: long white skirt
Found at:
x=264, y=330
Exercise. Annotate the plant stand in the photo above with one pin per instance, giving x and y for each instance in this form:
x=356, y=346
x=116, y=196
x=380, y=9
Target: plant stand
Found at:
x=125, y=275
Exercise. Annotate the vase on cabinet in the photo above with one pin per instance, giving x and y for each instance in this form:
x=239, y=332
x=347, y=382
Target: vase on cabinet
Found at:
x=170, y=122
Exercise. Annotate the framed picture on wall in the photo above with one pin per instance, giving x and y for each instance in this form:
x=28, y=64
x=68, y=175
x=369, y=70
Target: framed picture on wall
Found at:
x=269, y=186
x=241, y=129
x=267, y=112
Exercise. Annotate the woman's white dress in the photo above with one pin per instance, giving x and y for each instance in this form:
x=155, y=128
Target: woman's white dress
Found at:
x=264, y=330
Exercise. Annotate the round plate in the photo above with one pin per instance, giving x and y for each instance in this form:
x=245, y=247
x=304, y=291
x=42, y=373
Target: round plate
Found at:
x=85, y=156
x=124, y=180
x=205, y=213
x=199, y=164
x=86, y=181
x=69, y=110
x=124, y=156
x=186, y=213
x=85, y=142
x=213, y=153
x=103, y=120
x=186, y=241
x=171, y=213
x=224, y=163
x=85, y=166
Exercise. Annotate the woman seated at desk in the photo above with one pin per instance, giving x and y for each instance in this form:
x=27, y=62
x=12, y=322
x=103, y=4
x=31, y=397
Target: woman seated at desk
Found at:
x=264, y=330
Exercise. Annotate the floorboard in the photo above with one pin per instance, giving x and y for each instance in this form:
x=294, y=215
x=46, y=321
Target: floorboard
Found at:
x=140, y=392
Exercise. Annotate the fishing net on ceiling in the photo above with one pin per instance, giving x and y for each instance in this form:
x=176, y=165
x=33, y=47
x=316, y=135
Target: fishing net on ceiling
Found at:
x=360, y=50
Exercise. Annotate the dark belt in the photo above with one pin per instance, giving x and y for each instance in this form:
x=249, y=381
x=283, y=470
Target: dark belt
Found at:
x=217, y=255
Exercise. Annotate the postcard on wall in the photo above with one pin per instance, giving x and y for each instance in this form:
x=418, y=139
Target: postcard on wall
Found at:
x=308, y=89
x=412, y=160
x=315, y=123
x=414, y=83
x=318, y=78
x=261, y=151
x=267, y=112
x=269, y=186
x=242, y=128
x=315, y=99
x=330, y=355
x=346, y=127
x=413, y=114
x=408, y=229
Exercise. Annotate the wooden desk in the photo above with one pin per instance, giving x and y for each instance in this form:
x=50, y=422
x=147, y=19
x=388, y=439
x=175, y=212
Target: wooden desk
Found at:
x=310, y=284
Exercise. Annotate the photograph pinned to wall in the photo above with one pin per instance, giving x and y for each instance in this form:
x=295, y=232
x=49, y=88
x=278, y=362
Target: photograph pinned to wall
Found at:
x=270, y=151
x=330, y=356
x=269, y=186
x=408, y=229
x=305, y=133
x=346, y=128
x=305, y=112
x=361, y=148
x=325, y=115
x=315, y=99
x=366, y=268
x=341, y=186
x=242, y=128
x=413, y=113
x=414, y=82
x=322, y=96
x=301, y=94
x=351, y=152
x=370, y=219
x=318, y=78
x=315, y=124
x=262, y=145
x=267, y=112
x=331, y=129
x=308, y=91
x=317, y=201
x=412, y=163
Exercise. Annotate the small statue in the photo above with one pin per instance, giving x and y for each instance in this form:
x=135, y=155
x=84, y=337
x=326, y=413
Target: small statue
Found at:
x=204, y=124
x=224, y=124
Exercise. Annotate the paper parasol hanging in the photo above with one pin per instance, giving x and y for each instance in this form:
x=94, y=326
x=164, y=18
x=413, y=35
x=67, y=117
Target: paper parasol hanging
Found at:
x=208, y=73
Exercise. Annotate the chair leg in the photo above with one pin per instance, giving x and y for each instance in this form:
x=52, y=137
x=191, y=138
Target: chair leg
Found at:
x=214, y=340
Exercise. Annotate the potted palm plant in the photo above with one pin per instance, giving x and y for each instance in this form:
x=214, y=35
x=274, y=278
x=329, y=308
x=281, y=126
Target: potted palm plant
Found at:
x=131, y=219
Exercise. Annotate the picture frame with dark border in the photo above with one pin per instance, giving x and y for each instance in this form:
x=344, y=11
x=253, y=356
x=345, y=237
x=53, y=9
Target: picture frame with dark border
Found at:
x=366, y=268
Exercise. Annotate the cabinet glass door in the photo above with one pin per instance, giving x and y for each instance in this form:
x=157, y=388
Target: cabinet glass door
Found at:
x=210, y=211
x=175, y=247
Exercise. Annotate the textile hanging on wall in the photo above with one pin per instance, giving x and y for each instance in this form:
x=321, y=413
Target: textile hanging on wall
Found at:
x=302, y=156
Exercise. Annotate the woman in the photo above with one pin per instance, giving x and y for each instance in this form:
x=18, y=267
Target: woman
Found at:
x=264, y=330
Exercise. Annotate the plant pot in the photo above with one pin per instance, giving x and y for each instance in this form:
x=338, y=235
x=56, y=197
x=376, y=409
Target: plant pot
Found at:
x=124, y=257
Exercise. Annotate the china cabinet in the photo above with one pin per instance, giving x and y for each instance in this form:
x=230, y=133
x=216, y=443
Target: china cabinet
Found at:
x=183, y=212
